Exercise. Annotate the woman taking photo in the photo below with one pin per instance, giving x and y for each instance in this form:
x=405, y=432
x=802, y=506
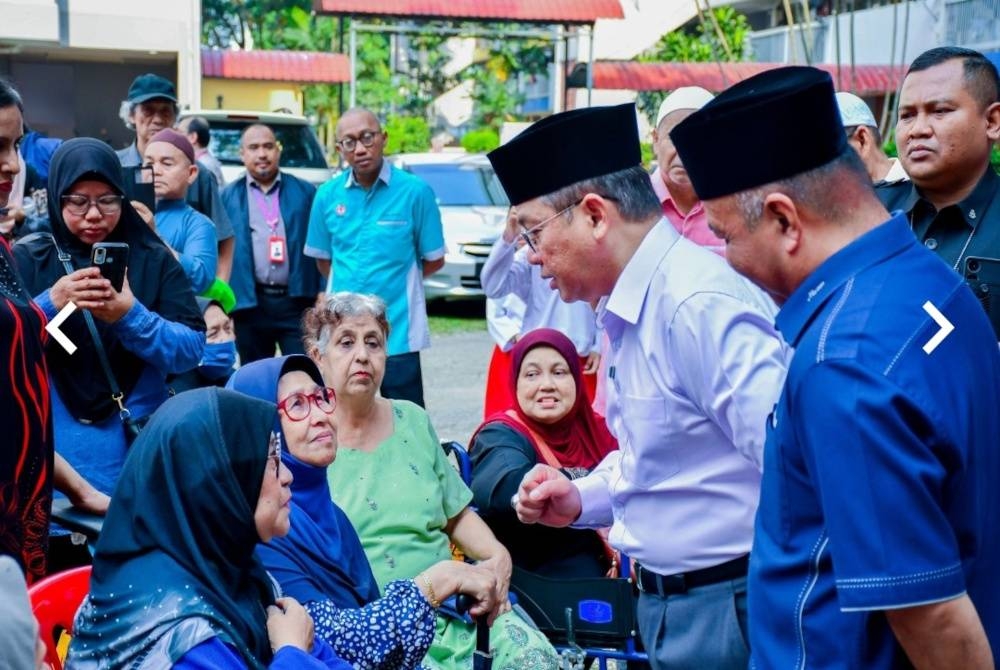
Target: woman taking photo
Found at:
x=147, y=330
x=175, y=582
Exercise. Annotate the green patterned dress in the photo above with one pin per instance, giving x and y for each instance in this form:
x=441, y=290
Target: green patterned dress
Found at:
x=400, y=498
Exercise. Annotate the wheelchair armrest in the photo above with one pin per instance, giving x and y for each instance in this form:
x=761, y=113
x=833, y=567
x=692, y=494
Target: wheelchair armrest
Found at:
x=76, y=519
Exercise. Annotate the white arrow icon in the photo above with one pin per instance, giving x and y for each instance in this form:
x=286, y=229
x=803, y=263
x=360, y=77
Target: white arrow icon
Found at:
x=58, y=335
x=941, y=320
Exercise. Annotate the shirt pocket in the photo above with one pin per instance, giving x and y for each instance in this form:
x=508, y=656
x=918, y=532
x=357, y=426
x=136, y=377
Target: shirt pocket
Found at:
x=391, y=240
x=650, y=457
x=773, y=513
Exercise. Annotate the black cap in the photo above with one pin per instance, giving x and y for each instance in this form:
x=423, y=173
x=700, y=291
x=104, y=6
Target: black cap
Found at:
x=150, y=87
x=567, y=148
x=772, y=126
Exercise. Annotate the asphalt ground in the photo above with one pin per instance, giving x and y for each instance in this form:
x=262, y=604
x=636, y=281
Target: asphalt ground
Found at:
x=454, y=371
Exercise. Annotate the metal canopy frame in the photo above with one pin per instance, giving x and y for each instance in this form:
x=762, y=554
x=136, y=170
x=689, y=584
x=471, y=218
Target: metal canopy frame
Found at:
x=556, y=36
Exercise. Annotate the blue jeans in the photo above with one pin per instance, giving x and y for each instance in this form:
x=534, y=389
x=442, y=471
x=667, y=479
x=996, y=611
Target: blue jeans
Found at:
x=703, y=628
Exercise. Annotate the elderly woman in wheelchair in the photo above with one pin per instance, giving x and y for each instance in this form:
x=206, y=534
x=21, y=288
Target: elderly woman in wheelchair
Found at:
x=395, y=484
x=551, y=422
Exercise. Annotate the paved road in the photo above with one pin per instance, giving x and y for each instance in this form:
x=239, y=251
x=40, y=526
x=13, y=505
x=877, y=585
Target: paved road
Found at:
x=454, y=370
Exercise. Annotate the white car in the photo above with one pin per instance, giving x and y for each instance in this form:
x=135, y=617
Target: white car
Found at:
x=473, y=213
x=301, y=153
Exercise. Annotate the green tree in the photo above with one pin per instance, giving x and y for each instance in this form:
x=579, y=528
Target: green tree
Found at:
x=494, y=91
x=702, y=44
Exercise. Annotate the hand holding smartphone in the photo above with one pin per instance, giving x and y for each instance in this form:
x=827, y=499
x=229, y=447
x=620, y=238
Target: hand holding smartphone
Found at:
x=112, y=259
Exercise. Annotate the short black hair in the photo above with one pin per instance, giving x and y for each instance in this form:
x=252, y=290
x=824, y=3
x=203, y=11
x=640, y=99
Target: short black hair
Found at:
x=199, y=126
x=9, y=97
x=981, y=78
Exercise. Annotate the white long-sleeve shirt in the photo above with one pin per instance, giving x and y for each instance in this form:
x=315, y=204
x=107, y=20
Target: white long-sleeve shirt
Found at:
x=695, y=366
x=507, y=271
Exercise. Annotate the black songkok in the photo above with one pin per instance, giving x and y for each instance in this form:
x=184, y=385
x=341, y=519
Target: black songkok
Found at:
x=772, y=126
x=567, y=148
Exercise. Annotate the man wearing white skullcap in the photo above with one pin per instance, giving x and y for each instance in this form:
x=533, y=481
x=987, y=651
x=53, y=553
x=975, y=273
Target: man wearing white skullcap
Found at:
x=863, y=135
x=670, y=181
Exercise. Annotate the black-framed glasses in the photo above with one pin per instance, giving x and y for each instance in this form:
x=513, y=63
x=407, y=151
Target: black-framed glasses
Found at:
x=274, y=453
x=367, y=138
x=296, y=405
x=79, y=204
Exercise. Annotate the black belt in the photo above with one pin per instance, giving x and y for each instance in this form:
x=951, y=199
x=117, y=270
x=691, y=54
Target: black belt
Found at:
x=666, y=585
x=270, y=289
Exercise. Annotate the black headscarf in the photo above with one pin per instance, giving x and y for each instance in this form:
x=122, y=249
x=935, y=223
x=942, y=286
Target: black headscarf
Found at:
x=177, y=546
x=156, y=278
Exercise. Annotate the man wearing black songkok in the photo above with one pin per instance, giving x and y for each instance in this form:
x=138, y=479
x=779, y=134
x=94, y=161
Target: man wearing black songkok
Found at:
x=694, y=366
x=875, y=544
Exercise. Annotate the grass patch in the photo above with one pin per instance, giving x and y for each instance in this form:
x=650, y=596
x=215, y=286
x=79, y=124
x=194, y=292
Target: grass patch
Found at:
x=450, y=318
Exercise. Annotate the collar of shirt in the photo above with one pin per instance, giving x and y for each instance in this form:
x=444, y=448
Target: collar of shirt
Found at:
x=130, y=157
x=276, y=184
x=874, y=246
x=384, y=175
x=629, y=293
x=168, y=205
x=896, y=172
x=971, y=209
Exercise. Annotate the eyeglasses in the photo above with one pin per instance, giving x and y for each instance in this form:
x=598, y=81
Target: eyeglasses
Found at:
x=367, y=139
x=296, y=406
x=530, y=235
x=274, y=453
x=79, y=204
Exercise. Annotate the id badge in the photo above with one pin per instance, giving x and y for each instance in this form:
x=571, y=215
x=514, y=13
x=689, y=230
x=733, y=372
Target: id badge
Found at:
x=276, y=247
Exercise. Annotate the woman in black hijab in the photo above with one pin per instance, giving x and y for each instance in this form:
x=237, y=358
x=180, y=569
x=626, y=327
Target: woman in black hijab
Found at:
x=175, y=580
x=150, y=329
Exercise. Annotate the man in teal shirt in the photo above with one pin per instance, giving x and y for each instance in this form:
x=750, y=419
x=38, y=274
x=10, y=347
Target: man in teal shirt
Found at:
x=377, y=229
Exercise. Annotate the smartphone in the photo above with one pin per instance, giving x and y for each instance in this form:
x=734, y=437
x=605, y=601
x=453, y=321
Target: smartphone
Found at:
x=112, y=259
x=983, y=276
x=139, y=185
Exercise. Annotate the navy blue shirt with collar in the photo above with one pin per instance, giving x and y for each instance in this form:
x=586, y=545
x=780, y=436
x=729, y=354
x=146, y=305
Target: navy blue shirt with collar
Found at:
x=882, y=462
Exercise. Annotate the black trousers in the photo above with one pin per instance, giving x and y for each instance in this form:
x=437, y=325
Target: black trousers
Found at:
x=403, y=379
x=274, y=322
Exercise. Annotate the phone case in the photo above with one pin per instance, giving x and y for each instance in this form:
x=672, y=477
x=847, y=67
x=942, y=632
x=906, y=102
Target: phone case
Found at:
x=112, y=259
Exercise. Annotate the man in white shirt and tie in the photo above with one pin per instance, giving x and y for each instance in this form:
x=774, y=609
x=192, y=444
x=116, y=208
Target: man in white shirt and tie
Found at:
x=695, y=366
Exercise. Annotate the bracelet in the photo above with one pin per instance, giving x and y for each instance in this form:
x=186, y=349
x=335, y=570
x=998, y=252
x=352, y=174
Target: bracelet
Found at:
x=431, y=596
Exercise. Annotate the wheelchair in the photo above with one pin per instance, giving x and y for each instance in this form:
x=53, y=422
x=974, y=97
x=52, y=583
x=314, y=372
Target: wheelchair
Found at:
x=587, y=620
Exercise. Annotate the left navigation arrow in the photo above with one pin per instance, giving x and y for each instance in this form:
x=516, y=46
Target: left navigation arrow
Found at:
x=58, y=335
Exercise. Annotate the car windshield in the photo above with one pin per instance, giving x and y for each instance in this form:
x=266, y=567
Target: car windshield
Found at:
x=299, y=147
x=462, y=185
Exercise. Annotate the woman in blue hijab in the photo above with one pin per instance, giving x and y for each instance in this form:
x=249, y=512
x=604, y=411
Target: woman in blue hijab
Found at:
x=175, y=582
x=321, y=562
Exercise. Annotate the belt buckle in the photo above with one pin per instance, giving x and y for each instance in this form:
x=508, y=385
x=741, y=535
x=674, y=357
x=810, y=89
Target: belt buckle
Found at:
x=674, y=584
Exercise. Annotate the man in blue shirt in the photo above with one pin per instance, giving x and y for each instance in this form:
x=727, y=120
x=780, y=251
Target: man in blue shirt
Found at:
x=377, y=229
x=876, y=537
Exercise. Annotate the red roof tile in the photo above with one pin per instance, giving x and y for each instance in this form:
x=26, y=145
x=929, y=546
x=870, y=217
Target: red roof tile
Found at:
x=529, y=11
x=634, y=76
x=298, y=66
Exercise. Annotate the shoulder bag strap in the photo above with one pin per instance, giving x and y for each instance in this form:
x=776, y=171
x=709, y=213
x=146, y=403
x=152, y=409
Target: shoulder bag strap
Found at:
x=102, y=356
x=543, y=447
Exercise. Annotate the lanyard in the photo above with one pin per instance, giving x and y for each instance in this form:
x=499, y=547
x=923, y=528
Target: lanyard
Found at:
x=268, y=207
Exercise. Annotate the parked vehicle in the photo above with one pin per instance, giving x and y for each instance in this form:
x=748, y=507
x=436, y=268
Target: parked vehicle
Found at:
x=301, y=153
x=473, y=211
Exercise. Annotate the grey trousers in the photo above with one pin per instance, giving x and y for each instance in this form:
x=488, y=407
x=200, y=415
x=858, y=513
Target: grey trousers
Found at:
x=703, y=629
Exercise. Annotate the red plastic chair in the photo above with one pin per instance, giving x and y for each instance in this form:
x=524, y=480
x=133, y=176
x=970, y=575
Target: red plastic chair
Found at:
x=54, y=601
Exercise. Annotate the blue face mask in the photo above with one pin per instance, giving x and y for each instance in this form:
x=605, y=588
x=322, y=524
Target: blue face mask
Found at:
x=218, y=360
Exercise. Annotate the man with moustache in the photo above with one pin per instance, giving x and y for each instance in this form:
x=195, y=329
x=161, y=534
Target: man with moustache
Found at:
x=949, y=120
x=272, y=280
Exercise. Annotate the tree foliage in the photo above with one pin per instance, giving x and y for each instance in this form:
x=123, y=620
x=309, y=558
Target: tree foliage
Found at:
x=702, y=44
x=400, y=81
